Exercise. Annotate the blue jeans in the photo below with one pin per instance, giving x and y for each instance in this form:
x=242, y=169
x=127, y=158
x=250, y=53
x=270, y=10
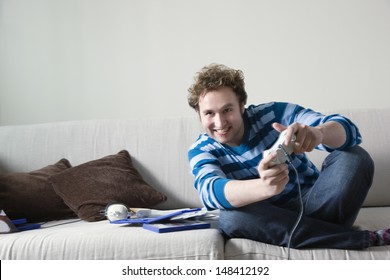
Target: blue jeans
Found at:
x=330, y=209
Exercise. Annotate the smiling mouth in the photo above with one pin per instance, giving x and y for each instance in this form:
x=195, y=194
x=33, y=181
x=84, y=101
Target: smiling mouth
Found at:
x=222, y=131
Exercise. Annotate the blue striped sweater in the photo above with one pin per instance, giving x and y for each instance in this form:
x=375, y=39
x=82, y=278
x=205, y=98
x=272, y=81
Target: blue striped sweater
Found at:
x=214, y=164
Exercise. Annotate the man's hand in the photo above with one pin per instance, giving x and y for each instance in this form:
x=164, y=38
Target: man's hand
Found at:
x=307, y=137
x=275, y=178
x=272, y=181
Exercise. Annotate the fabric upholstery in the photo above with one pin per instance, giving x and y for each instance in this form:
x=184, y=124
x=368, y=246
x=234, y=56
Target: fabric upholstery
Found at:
x=89, y=187
x=30, y=195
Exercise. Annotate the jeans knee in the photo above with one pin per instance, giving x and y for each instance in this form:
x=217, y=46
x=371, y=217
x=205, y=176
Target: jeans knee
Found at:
x=356, y=158
x=228, y=223
x=356, y=163
x=364, y=161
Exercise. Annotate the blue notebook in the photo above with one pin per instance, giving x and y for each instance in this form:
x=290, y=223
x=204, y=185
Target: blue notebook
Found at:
x=28, y=226
x=7, y=225
x=176, y=226
x=170, y=215
x=22, y=224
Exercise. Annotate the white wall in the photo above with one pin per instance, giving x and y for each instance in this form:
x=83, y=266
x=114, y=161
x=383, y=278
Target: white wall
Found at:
x=93, y=59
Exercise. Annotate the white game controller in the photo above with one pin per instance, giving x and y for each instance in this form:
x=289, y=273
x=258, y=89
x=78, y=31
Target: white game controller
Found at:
x=281, y=149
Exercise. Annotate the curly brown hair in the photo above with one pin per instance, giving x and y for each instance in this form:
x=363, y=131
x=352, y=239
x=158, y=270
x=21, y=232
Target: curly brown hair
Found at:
x=213, y=77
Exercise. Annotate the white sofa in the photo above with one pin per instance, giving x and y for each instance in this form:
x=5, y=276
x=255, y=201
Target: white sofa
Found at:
x=159, y=151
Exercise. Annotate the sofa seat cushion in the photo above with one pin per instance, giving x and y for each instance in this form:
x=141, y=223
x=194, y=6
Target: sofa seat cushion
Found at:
x=245, y=249
x=369, y=218
x=101, y=240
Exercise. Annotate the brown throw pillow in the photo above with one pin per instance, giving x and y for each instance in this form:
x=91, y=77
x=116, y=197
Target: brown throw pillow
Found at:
x=31, y=196
x=88, y=188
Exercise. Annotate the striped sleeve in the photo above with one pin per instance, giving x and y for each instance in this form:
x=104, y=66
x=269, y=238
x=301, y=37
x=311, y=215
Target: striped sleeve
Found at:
x=309, y=117
x=210, y=180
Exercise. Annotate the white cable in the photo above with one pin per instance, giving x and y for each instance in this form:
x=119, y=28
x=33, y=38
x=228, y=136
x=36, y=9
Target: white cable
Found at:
x=289, y=160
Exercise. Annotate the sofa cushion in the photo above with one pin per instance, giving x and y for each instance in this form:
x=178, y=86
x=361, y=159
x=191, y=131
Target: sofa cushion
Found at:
x=369, y=218
x=30, y=195
x=81, y=240
x=89, y=187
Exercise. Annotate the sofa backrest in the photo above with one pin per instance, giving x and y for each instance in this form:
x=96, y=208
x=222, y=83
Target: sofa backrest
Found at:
x=159, y=150
x=372, y=126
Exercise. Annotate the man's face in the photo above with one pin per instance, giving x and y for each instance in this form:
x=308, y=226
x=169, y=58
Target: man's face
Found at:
x=221, y=116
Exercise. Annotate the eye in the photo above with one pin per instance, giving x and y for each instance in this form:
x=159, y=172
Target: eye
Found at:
x=229, y=109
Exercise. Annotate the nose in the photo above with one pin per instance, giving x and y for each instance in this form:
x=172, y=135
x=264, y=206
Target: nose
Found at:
x=219, y=121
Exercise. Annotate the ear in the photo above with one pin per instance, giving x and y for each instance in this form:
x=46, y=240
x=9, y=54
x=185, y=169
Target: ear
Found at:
x=242, y=108
x=197, y=111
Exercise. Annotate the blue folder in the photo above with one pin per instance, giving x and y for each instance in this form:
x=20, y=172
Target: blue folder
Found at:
x=155, y=219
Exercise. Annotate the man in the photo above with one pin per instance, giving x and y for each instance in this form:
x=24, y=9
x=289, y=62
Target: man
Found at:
x=260, y=201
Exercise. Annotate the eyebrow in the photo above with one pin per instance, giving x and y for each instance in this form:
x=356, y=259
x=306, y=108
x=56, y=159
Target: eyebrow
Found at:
x=221, y=109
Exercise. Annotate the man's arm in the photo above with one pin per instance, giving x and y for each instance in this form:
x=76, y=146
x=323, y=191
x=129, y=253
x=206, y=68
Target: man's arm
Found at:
x=272, y=181
x=331, y=134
